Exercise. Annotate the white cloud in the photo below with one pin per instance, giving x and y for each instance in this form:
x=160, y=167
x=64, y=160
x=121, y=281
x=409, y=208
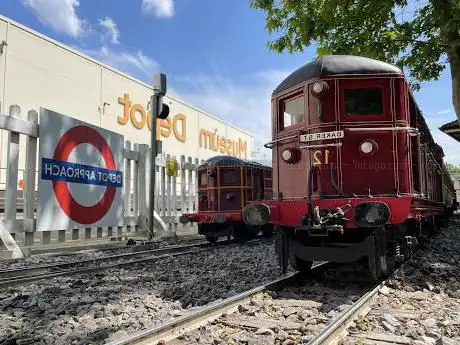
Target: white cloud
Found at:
x=160, y=8
x=111, y=30
x=61, y=15
x=245, y=106
x=446, y=111
x=135, y=64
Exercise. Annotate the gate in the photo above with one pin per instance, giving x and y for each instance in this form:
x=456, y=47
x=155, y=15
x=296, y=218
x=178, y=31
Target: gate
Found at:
x=174, y=194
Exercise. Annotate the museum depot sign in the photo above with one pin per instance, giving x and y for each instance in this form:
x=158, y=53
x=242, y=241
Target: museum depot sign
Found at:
x=176, y=126
x=81, y=174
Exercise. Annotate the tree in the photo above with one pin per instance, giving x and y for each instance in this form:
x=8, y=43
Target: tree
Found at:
x=421, y=36
x=453, y=169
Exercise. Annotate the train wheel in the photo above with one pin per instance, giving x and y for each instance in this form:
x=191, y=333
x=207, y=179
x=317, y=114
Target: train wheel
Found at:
x=267, y=230
x=300, y=265
x=374, y=257
x=281, y=248
x=386, y=256
x=240, y=232
x=253, y=231
x=212, y=239
x=381, y=257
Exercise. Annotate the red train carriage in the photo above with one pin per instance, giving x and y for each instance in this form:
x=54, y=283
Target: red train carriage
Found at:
x=225, y=185
x=356, y=171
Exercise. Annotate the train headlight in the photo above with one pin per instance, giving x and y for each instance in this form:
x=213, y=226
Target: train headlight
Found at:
x=287, y=155
x=368, y=146
x=256, y=214
x=371, y=214
x=290, y=155
x=319, y=88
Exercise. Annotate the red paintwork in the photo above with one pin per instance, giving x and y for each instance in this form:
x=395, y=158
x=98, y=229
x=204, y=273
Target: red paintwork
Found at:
x=225, y=190
x=402, y=172
x=210, y=217
x=290, y=212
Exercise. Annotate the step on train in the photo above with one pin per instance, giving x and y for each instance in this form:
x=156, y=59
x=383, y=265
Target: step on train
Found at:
x=356, y=172
x=225, y=185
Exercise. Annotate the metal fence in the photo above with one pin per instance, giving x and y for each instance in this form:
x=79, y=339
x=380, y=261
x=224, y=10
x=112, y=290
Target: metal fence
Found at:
x=174, y=194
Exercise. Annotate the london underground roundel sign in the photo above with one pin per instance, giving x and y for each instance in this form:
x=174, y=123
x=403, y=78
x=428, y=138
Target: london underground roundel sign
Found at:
x=81, y=175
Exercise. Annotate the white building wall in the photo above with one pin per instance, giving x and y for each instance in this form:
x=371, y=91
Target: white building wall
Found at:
x=36, y=71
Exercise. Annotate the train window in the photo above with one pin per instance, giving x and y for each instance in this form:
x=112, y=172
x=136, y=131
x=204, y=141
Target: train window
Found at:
x=363, y=101
x=293, y=111
x=230, y=177
x=203, y=179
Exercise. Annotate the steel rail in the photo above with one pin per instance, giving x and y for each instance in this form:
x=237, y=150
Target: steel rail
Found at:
x=27, y=275
x=15, y=272
x=339, y=325
x=176, y=327
x=7, y=282
x=330, y=334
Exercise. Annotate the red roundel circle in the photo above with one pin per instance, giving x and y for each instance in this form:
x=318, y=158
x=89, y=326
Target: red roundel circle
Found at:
x=75, y=211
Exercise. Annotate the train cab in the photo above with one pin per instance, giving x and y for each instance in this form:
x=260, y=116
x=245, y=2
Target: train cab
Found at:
x=352, y=156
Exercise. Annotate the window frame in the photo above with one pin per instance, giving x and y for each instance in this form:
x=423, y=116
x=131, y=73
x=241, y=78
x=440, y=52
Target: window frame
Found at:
x=374, y=83
x=363, y=88
x=281, y=106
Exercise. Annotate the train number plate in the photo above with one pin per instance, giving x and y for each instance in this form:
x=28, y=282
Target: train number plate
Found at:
x=321, y=136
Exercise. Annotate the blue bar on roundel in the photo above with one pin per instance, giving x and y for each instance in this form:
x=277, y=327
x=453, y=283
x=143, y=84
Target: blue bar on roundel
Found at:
x=55, y=170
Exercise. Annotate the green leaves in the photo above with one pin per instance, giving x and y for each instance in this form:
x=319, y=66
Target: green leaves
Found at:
x=415, y=37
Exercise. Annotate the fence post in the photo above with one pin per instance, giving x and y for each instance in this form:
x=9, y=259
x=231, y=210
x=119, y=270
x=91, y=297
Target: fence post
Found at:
x=163, y=193
x=135, y=184
x=61, y=236
x=168, y=195
x=148, y=165
x=46, y=237
x=141, y=185
x=195, y=185
x=127, y=181
x=183, y=189
x=12, y=168
x=29, y=180
x=174, y=201
x=189, y=185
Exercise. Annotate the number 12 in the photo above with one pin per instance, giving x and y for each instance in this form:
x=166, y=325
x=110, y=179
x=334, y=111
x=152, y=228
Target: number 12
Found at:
x=317, y=156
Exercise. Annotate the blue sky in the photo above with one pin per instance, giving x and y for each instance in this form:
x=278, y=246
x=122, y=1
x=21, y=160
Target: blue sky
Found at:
x=214, y=53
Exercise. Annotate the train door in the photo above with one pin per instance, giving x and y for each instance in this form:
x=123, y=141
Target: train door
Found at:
x=322, y=140
x=289, y=160
x=368, y=159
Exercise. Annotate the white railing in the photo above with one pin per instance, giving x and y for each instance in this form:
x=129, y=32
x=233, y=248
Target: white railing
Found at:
x=174, y=195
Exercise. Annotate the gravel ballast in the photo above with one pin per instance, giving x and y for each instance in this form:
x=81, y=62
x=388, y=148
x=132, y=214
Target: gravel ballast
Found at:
x=421, y=305
x=93, y=308
x=293, y=315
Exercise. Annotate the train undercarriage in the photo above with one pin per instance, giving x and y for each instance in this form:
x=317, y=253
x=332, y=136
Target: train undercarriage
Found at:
x=382, y=231
x=382, y=247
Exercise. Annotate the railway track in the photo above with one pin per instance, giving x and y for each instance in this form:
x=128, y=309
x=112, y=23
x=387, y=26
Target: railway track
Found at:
x=218, y=313
x=10, y=277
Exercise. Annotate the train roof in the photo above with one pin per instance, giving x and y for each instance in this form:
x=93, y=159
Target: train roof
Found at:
x=229, y=161
x=452, y=129
x=334, y=65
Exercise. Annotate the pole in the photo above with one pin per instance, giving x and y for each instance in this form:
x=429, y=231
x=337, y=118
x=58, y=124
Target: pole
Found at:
x=158, y=111
x=153, y=145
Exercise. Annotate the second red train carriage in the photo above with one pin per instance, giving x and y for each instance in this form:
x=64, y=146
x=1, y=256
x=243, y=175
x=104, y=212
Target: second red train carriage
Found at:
x=225, y=185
